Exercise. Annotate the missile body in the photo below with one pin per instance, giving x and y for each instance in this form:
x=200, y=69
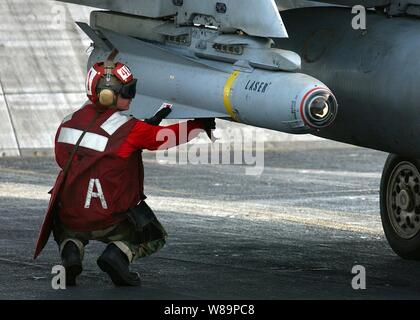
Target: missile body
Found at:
x=283, y=101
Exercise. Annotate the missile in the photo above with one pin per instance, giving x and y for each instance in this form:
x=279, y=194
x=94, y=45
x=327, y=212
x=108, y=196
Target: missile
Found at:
x=284, y=101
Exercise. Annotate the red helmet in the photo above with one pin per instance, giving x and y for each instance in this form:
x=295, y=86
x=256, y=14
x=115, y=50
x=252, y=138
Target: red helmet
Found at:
x=119, y=71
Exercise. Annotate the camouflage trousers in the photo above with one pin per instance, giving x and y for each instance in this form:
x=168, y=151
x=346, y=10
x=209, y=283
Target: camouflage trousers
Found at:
x=122, y=235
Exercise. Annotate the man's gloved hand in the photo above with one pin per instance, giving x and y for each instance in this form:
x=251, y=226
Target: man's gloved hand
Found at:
x=209, y=124
x=161, y=114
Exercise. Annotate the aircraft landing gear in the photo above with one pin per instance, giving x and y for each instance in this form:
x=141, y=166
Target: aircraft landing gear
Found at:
x=400, y=205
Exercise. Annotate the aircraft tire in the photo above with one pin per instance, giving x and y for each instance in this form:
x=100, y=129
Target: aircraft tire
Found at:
x=400, y=205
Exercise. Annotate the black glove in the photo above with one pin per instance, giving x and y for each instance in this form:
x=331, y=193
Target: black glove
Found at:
x=209, y=125
x=161, y=114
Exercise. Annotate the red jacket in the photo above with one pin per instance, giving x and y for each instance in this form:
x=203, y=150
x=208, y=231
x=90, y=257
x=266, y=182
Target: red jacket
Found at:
x=106, y=175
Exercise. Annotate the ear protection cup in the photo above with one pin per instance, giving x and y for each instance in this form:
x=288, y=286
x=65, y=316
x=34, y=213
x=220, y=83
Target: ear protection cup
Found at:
x=107, y=97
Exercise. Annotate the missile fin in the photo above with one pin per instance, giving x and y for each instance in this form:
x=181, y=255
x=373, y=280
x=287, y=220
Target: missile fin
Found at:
x=94, y=36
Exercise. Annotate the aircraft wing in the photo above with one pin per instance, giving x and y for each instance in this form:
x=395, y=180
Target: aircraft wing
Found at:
x=129, y=6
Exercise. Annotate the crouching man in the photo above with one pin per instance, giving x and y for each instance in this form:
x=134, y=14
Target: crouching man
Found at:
x=98, y=194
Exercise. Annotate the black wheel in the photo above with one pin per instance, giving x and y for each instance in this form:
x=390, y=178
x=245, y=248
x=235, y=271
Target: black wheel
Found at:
x=400, y=205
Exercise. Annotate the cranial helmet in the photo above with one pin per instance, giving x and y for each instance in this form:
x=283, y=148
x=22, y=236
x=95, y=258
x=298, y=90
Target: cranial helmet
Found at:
x=106, y=80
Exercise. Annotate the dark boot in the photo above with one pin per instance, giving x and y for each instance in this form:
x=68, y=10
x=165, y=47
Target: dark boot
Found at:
x=70, y=257
x=114, y=262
